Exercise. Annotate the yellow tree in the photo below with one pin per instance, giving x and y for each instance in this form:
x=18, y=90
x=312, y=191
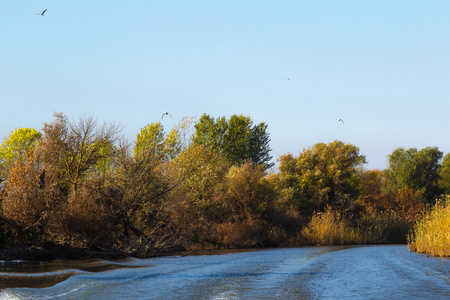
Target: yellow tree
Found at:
x=15, y=147
x=199, y=173
x=323, y=175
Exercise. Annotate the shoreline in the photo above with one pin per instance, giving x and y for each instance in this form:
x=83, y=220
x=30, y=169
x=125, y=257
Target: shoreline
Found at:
x=56, y=252
x=35, y=253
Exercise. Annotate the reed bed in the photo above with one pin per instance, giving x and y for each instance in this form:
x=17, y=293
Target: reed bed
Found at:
x=431, y=233
x=329, y=228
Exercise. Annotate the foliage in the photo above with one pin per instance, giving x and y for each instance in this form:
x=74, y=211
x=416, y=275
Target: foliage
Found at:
x=444, y=174
x=237, y=139
x=84, y=186
x=73, y=152
x=250, y=202
x=199, y=174
x=15, y=147
x=418, y=170
x=201, y=171
x=25, y=207
x=371, y=196
x=431, y=232
x=324, y=175
x=384, y=226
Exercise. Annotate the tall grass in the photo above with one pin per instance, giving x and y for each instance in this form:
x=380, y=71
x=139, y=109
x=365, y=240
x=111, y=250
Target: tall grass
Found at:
x=329, y=228
x=432, y=232
x=383, y=227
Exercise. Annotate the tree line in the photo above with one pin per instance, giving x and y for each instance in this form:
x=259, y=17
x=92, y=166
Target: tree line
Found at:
x=204, y=184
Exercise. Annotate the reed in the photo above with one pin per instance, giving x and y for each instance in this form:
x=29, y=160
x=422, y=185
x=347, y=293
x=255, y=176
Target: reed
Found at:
x=329, y=228
x=431, y=233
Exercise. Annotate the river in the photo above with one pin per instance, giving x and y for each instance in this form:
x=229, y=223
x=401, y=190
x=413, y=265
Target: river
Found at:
x=340, y=272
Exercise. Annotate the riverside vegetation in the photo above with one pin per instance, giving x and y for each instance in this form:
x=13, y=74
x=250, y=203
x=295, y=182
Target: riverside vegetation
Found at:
x=79, y=189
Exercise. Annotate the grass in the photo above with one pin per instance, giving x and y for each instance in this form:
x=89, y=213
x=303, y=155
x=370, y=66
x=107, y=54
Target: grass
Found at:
x=329, y=228
x=432, y=232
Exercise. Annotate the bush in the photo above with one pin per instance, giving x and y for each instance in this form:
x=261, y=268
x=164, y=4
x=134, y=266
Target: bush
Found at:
x=383, y=227
x=243, y=234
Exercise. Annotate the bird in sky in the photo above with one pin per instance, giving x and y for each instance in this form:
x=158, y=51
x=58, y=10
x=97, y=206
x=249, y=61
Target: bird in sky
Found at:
x=42, y=13
x=166, y=114
x=340, y=120
x=286, y=78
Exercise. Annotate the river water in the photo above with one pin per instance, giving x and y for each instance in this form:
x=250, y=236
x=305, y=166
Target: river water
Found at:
x=341, y=272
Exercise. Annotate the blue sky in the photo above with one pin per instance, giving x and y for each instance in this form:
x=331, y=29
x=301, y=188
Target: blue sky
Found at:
x=381, y=66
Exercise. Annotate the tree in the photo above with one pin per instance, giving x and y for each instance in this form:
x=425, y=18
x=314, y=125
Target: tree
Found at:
x=15, y=147
x=444, y=181
x=24, y=206
x=152, y=138
x=71, y=152
x=200, y=174
x=371, y=196
x=324, y=175
x=418, y=170
x=237, y=139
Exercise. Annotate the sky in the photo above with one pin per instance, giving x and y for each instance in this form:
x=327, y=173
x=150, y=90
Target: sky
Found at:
x=381, y=66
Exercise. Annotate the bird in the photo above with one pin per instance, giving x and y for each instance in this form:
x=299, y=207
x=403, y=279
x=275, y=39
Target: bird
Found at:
x=166, y=114
x=42, y=13
x=286, y=78
x=340, y=120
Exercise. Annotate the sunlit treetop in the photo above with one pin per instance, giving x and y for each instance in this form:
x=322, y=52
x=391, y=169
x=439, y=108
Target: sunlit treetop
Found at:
x=15, y=147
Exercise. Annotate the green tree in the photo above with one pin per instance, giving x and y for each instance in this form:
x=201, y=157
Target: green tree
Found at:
x=152, y=139
x=237, y=139
x=15, y=147
x=418, y=170
x=323, y=175
x=444, y=181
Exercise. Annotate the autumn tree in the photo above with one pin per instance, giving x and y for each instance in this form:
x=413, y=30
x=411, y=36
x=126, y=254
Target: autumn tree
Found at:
x=371, y=196
x=444, y=180
x=323, y=175
x=15, y=147
x=72, y=151
x=249, y=200
x=418, y=170
x=75, y=163
x=153, y=137
x=199, y=173
x=237, y=139
x=25, y=207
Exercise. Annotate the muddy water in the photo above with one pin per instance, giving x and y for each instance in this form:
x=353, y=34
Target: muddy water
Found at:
x=365, y=272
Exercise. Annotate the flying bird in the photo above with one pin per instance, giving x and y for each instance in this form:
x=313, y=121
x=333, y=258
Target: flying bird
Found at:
x=42, y=13
x=340, y=120
x=166, y=114
x=286, y=78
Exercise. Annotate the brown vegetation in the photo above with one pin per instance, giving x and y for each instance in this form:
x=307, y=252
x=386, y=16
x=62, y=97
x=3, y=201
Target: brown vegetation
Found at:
x=83, y=187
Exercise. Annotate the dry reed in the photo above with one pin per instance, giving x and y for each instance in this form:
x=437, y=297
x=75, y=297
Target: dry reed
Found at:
x=432, y=232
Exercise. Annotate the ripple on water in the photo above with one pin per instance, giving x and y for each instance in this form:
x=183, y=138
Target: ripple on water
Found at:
x=34, y=274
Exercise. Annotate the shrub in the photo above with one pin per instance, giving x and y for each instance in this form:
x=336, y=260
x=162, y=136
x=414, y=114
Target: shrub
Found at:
x=242, y=234
x=383, y=227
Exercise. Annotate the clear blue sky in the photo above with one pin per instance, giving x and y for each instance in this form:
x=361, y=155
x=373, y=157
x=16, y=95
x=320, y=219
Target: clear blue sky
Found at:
x=381, y=66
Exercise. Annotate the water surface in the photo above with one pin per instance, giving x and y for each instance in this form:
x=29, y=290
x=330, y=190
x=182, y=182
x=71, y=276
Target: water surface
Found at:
x=341, y=272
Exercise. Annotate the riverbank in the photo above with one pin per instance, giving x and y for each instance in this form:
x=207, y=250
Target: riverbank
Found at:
x=51, y=252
